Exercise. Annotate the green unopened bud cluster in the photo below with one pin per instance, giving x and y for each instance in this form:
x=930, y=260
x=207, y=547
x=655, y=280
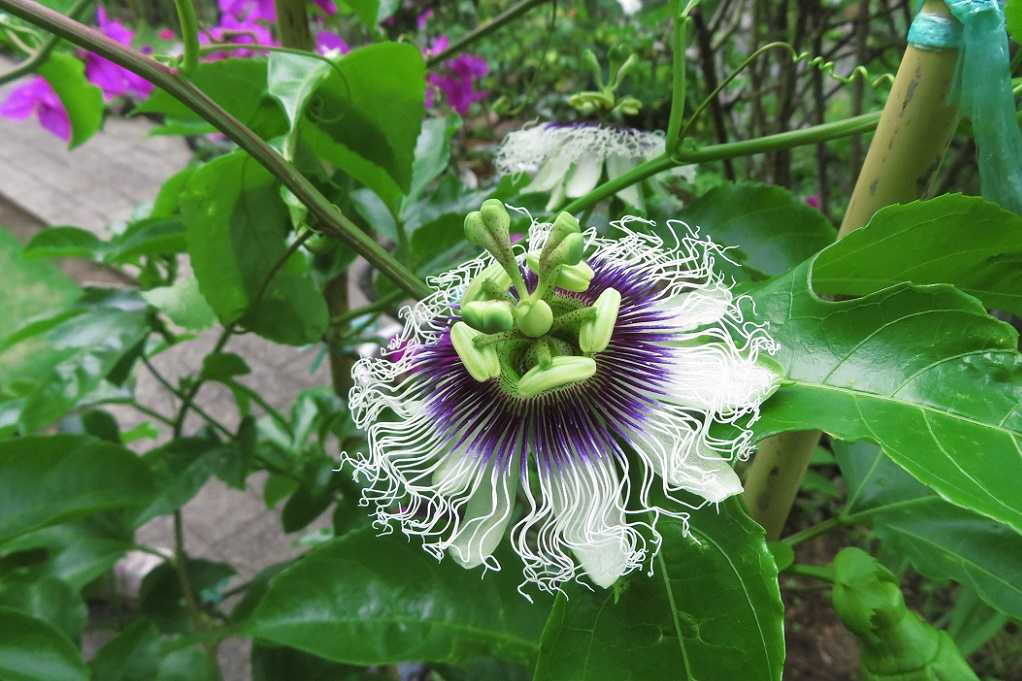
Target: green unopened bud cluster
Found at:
x=604, y=98
x=539, y=340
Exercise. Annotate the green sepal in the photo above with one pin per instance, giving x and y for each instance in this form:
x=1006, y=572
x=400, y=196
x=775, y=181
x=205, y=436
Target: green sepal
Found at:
x=561, y=371
x=594, y=334
x=534, y=318
x=488, y=316
x=487, y=283
x=482, y=362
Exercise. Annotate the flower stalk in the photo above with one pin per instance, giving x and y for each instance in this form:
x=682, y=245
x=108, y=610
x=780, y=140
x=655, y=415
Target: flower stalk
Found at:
x=914, y=130
x=189, y=35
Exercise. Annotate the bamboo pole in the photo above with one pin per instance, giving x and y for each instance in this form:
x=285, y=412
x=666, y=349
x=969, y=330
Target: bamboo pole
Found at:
x=913, y=134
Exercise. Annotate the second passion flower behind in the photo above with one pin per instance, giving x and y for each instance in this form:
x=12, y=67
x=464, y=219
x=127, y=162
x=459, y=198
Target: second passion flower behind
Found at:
x=547, y=390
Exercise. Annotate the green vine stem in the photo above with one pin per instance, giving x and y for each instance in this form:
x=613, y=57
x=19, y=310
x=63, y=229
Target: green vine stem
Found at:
x=678, y=74
x=189, y=34
x=914, y=131
x=717, y=152
x=326, y=216
x=478, y=32
x=39, y=58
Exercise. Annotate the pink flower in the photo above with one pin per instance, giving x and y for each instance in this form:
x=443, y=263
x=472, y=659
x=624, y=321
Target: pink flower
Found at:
x=249, y=10
x=813, y=201
x=114, y=80
x=423, y=19
x=457, y=79
x=38, y=97
x=439, y=44
x=166, y=34
x=327, y=41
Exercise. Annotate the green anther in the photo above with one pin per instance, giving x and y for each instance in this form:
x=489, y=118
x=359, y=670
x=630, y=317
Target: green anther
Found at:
x=569, y=277
x=594, y=335
x=562, y=370
x=486, y=283
x=488, y=316
x=534, y=317
x=565, y=244
x=482, y=362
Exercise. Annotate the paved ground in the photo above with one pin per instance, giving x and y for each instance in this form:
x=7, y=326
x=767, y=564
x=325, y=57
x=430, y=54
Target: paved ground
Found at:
x=97, y=185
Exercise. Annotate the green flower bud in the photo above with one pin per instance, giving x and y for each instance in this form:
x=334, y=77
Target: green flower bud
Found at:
x=488, y=316
x=497, y=218
x=565, y=244
x=594, y=335
x=482, y=363
x=629, y=106
x=487, y=282
x=561, y=371
x=534, y=318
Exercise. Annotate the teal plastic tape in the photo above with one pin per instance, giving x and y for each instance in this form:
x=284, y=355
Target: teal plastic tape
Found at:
x=934, y=32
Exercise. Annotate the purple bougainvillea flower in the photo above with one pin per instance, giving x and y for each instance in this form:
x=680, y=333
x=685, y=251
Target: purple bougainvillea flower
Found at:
x=813, y=200
x=457, y=80
x=38, y=97
x=438, y=45
x=249, y=10
x=327, y=41
x=565, y=438
x=166, y=34
x=114, y=80
x=423, y=19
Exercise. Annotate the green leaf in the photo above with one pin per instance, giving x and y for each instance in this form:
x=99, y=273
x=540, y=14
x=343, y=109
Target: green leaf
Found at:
x=1013, y=14
x=45, y=598
x=162, y=600
x=362, y=113
x=148, y=237
x=42, y=290
x=922, y=371
x=82, y=100
x=223, y=366
x=32, y=650
x=941, y=540
x=183, y=303
x=76, y=552
x=92, y=340
x=953, y=239
x=711, y=612
x=44, y=480
x=238, y=85
x=180, y=468
x=237, y=226
x=133, y=655
x=273, y=663
x=432, y=154
x=771, y=230
x=375, y=615
x=65, y=242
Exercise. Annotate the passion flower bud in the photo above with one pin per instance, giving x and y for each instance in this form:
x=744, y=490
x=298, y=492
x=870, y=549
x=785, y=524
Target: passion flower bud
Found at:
x=488, y=316
x=561, y=371
x=594, y=336
x=486, y=283
x=534, y=318
x=482, y=363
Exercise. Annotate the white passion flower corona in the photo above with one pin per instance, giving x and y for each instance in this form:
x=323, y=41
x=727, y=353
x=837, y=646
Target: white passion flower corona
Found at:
x=568, y=160
x=563, y=394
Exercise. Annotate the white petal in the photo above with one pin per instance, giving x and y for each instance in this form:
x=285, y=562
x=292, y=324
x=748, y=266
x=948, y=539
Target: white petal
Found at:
x=584, y=176
x=550, y=175
x=556, y=198
x=713, y=378
x=455, y=474
x=682, y=458
x=586, y=499
x=697, y=308
x=487, y=515
x=618, y=165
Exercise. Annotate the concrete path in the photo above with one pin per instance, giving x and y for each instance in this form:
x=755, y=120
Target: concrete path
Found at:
x=93, y=187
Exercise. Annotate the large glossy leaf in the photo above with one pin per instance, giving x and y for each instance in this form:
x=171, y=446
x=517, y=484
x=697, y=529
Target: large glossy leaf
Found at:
x=31, y=650
x=712, y=611
x=46, y=598
x=769, y=229
x=364, y=599
x=922, y=371
x=180, y=468
x=237, y=84
x=362, y=112
x=237, y=226
x=953, y=239
x=44, y=480
x=140, y=654
x=82, y=100
x=91, y=341
x=941, y=540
